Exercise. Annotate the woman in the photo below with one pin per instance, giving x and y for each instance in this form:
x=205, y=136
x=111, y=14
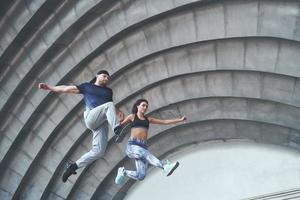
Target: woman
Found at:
x=137, y=144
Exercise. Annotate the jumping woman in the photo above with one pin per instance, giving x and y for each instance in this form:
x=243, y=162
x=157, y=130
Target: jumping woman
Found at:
x=137, y=148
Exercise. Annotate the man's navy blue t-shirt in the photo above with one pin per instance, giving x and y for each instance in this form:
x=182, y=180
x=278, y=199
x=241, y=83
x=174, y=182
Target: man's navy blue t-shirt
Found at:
x=95, y=95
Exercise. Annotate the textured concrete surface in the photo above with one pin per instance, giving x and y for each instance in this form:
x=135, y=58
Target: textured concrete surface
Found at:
x=232, y=67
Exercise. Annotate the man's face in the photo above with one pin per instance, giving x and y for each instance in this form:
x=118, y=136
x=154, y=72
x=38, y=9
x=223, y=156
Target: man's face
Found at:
x=103, y=78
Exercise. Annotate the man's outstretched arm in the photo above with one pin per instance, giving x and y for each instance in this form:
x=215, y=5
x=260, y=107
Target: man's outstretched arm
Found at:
x=60, y=88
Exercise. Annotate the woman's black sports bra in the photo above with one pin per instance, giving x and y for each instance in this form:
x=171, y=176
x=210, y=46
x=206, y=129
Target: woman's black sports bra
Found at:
x=137, y=122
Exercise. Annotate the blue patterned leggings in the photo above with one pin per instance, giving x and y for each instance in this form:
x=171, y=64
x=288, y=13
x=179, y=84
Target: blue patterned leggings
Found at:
x=137, y=149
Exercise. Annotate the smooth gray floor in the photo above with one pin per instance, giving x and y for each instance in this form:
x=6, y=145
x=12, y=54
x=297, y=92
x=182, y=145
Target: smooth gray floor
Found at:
x=232, y=67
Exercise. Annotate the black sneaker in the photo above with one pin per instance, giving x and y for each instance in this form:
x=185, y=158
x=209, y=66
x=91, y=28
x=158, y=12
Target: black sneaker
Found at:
x=120, y=132
x=71, y=169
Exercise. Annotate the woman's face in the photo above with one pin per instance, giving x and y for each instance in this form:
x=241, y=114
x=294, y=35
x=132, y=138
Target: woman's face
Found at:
x=142, y=108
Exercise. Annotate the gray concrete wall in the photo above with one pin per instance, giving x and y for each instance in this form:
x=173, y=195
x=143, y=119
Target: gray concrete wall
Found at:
x=232, y=67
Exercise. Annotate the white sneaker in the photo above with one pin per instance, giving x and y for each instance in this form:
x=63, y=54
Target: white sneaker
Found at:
x=120, y=178
x=170, y=167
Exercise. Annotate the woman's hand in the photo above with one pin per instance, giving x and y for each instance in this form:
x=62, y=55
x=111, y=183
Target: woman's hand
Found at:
x=183, y=118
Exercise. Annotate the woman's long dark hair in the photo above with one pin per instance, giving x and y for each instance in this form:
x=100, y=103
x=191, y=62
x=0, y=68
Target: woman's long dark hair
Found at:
x=134, y=109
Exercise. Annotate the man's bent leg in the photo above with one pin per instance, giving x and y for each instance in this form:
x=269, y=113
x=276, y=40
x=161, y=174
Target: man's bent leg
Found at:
x=113, y=120
x=100, y=138
x=111, y=115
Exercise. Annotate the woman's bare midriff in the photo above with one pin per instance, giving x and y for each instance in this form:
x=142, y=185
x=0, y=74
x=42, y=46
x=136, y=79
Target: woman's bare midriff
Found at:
x=139, y=133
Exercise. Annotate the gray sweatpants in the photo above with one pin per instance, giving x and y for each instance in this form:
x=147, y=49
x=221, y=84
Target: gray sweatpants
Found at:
x=97, y=121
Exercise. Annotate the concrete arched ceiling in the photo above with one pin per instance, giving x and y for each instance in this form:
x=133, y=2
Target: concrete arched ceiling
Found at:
x=231, y=66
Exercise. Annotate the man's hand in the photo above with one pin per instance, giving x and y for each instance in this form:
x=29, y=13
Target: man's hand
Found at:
x=44, y=86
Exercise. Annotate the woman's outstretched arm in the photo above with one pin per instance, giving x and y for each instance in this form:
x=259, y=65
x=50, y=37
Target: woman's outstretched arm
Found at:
x=166, y=121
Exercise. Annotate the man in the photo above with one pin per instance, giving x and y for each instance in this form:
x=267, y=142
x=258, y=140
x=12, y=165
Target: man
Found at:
x=100, y=111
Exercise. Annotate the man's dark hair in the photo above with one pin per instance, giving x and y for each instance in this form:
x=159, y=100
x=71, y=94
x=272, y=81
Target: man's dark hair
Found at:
x=103, y=72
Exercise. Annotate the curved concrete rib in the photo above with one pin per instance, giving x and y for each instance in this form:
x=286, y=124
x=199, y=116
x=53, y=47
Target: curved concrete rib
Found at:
x=66, y=39
x=41, y=53
x=28, y=104
x=186, y=136
x=194, y=79
x=29, y=101
x=14, y=20
x=159, y=83
x=199, y=110
x=39, y=12
x=239, y=62
x=190, y=134
x=128, y=41
x=31, y=108
x=169, y=59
